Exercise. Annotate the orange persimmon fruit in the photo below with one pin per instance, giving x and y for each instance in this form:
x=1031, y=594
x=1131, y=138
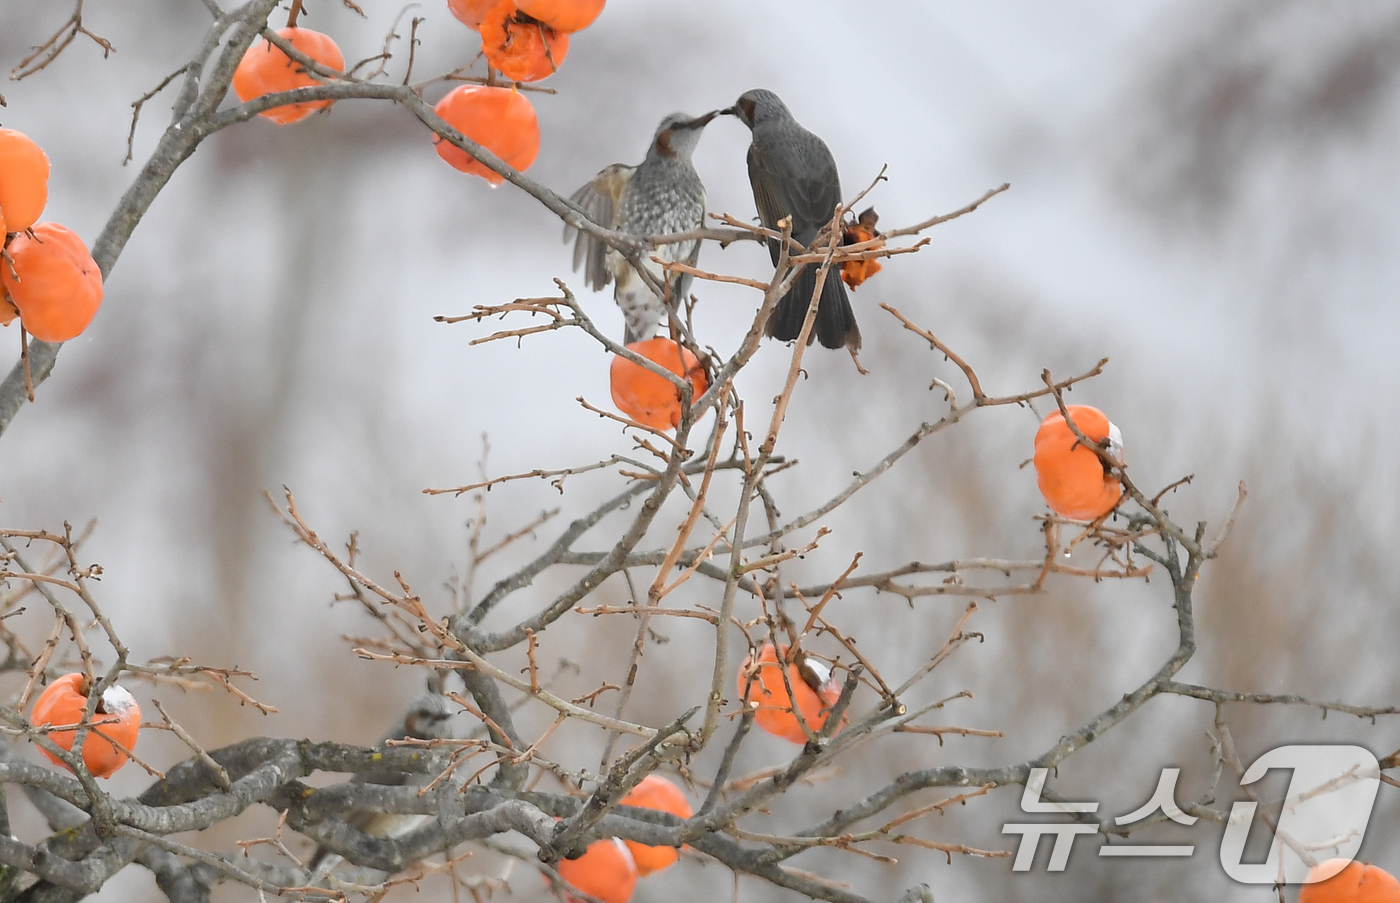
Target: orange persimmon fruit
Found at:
x=470, y=13
x=854, y=272
x=24, y=181
x=563, y=15
x=521, y=48
x=265, y=69
x=1349, y=882
x=117, y=718
x=1074, y=480
x=605, y=871
x=655, y=792
x=8, y=311
x=813, y=685
x=651, y=399
x=499, y=119
x=55, y=284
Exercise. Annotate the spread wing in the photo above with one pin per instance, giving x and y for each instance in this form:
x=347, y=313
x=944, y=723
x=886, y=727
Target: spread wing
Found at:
x=797, y=179
x=600, y=200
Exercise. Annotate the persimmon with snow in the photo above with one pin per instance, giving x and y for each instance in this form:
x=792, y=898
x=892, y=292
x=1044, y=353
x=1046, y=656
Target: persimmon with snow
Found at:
x=55, y=284
x=651, y=399
x=117, y=718
x=499, y=119
x=520, y=47
x=563, y=15
x=854, y=272
x=1073, y=479
x=655, y=792
x=605, y=871
x=813, y=686
x=265, y=69
x=24, y=181
x=1349, y=882
x=470, y=13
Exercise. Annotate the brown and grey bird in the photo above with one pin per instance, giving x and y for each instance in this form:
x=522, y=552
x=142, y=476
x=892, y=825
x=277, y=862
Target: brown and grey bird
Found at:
x=662, y=195
x=429, y=717
x=793, y=174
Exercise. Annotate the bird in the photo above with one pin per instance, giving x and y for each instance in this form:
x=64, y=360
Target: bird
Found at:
x=794, y=175
x=428, y=718
x=661, y=195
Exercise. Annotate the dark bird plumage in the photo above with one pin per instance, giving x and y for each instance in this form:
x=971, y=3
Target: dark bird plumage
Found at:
x=661, y=195
x=793, y=174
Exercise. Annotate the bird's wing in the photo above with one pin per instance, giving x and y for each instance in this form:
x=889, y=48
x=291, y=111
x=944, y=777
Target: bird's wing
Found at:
x=600, y=200
x=798, y=179
x=766, y=196
x=680, y=288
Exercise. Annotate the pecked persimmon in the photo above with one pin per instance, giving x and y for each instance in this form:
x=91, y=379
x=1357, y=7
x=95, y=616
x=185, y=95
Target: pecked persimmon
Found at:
x=1074, y=481
x=813, y=685
x=854, y=272
x=499, y=119
x=24, y=181
x=651, y=399
x=55, y=284
x=605, y=871
x=117, y=718
x=1349, y=882
x=470, y=12
x=522, y=48
x=655, y=792
x=265, y=69
x=563, y=15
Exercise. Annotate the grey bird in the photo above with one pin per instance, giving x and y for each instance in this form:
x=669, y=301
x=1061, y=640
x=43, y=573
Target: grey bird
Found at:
x=428, y=718
x=662, y=195
x=793, y=174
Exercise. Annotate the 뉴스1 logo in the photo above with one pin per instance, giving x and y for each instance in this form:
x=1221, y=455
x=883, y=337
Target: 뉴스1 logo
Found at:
x=1324, y=815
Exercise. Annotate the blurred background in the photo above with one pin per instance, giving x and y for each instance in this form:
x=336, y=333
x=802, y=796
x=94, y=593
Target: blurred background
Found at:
x=1203, y=193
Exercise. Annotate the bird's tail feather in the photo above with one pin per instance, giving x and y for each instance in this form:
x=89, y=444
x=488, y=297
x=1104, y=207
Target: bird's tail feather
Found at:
x=836, y=322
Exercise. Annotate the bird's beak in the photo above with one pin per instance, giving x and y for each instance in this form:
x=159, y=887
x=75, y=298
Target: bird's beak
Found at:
x=700, y=121
x=730, y=111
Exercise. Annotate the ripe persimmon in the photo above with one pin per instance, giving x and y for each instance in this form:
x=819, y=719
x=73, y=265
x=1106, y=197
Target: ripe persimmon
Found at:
x=605, y=871
x=522, y=48
x=813, y=685
x=8, y=311
x=1073, y=479
x=655, y=792
x=265, y=69
x=1349, y=882
x=563, y=15
x=55, y=285
x=24, y=181
x=470, y=13
x=117, y=718
x=854, y=272
x=499, y=119
x=651, y=399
